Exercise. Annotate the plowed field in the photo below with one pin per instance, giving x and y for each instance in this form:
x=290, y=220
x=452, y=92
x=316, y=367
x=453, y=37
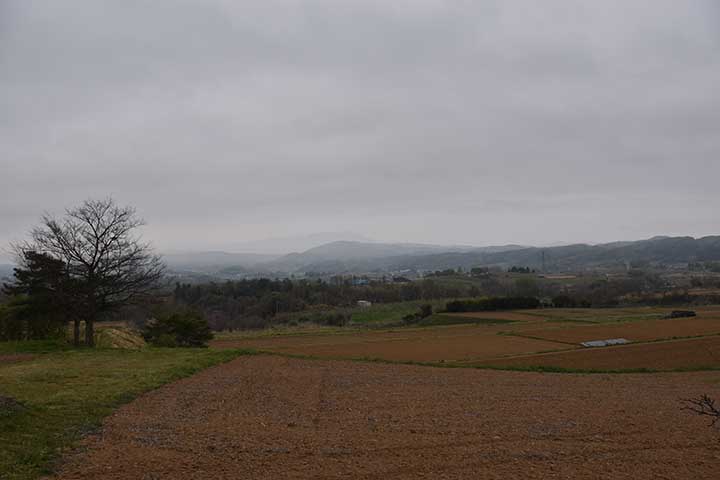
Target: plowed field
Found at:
x=641, y=330
x=422, y=345
x=278, y=418
x=524, y=342
x=674, y=354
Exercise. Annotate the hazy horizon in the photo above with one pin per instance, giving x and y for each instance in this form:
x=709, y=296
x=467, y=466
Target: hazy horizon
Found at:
x=473, y=123
x=281, y=246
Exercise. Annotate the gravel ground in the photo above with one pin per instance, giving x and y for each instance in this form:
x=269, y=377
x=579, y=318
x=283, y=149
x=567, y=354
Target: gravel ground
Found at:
x=266, y=417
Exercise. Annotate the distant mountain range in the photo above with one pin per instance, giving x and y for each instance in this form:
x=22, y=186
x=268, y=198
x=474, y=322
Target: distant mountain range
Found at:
x=658, y=250
x=208, y=262
x=298, y=243
x=352, y=257
x=349, y=257
x=365, y=257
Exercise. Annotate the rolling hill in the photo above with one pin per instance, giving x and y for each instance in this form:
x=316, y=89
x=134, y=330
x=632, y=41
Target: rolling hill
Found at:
x=344, y=257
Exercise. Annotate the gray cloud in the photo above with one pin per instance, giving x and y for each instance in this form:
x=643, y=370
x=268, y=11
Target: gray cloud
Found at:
x=463, y=122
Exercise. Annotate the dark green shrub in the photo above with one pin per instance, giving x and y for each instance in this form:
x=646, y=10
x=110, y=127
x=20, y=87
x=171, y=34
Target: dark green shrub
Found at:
x=565, y=301
x=183, y=329
x=412, y=318
x=333, y=319
x=20, y=319
x=490, y=304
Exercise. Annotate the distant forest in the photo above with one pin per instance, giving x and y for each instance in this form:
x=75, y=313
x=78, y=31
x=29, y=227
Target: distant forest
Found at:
x=255, y=303
x=262, y=302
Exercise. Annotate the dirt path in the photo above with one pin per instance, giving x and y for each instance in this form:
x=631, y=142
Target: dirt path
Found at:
x=275, y=418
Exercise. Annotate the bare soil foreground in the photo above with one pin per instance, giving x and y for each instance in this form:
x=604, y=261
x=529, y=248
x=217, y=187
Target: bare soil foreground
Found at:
x=267, y=417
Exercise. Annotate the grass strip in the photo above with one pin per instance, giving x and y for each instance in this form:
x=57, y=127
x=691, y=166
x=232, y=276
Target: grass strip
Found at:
x=55, y=398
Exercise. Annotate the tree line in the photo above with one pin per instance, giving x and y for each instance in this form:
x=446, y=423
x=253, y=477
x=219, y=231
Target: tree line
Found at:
x=76, y=270
x=259, y=302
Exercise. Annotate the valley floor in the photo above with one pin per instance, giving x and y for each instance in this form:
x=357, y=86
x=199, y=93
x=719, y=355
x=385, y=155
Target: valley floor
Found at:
x=271, y=417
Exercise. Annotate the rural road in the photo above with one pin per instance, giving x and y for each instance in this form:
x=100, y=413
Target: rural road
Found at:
x=266, y=417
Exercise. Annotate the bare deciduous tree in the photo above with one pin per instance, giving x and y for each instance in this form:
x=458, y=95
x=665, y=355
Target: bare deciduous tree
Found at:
x=107, y=262
x=703, y=406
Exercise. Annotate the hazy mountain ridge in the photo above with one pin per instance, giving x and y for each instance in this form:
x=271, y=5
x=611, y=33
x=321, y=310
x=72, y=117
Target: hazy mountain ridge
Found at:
x=300, y=243
x=666, y=250
x=346, y=257
x=214, y=260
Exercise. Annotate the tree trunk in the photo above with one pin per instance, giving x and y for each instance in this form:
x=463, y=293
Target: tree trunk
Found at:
x=90, y=333
x=76, y=332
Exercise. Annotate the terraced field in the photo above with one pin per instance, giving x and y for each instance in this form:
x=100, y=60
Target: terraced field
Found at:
x=690, y=354
x=437, y=344
x=548, y=338
x=637, y=331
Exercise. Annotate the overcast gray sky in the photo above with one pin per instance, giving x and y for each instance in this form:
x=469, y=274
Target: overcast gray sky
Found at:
x=474, y=122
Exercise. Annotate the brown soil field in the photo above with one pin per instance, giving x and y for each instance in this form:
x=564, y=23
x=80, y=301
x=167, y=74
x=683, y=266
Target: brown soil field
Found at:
x=641, y=330
x=602, y=314
x=451, y=343
x=486, y=344
x=704, y=291
x=277, y=418
x=691, y=353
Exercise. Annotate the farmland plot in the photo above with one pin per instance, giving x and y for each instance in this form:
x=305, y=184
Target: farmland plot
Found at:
x=642, y=330
x=421, y=345
x=695, y=353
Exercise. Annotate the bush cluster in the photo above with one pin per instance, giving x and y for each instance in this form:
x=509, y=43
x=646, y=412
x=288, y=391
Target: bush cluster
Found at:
x=424, y=312
x=180, y=329
x=566, y=301
x=332, y=319
x=491, y=304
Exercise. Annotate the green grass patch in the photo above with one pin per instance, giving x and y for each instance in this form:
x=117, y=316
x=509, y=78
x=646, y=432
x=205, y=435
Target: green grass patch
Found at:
x=390, y=313
x=58, y=396
x=34, y=346
x=439, y=319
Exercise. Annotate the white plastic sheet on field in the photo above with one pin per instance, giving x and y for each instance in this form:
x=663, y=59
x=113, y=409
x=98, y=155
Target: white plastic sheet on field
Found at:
x=605, y=343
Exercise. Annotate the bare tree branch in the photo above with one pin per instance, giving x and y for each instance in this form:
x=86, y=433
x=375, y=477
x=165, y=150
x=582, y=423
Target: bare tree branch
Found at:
x=110, y=265
x=703, y=406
